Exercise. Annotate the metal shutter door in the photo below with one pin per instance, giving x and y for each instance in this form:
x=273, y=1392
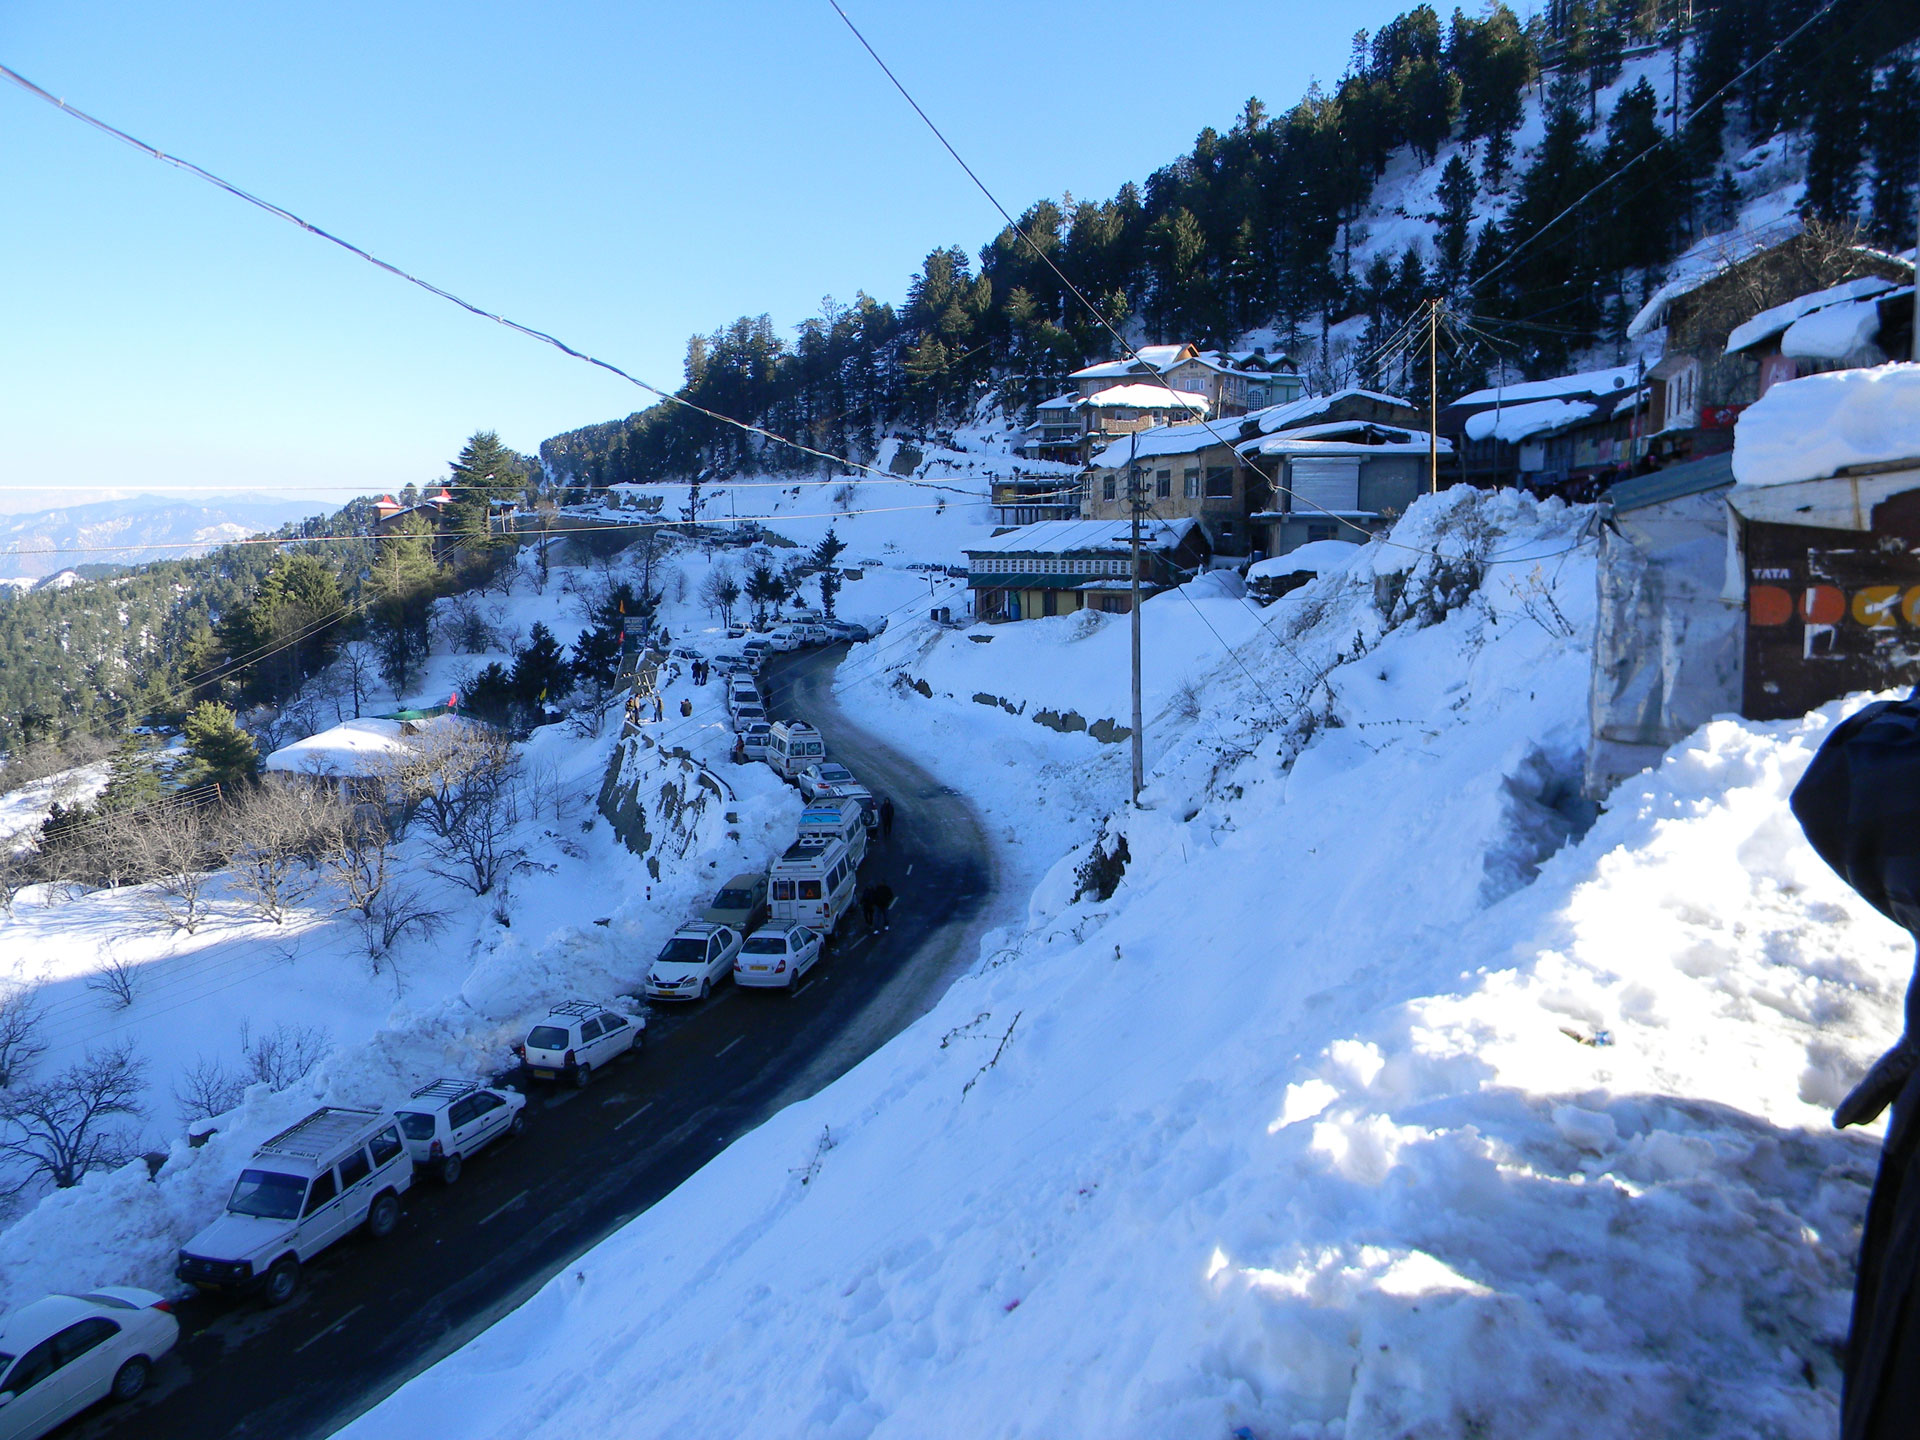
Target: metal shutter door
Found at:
x=1326, y=485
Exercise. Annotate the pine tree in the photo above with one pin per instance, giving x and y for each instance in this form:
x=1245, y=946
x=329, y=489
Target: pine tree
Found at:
x=540, y=672
x=1838, y=126
x=485, y=471
x=223, y=754
x=1453, y=225
x=1893, y=138
x=824, y=554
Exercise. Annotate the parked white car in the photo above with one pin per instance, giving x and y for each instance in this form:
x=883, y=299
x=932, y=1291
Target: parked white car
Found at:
x=307, y=1187
x=821, y=778
x=776, y=956
x=445, y=1122
x=697, y=958
x=746, y=715
x=753, y=739
x=577, y=1038
x=784, y=637
x=66, y=1352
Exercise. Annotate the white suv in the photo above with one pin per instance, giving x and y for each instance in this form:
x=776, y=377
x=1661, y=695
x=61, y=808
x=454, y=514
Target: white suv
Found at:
x=697, y=958
x=445, y=1122
x=309, y=1185
x=576, y=1039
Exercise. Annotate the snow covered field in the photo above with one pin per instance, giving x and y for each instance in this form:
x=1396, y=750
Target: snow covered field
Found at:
x=1377, y=1100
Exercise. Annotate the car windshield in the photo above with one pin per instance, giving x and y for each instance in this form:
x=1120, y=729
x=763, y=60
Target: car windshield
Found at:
x=547, y=1037
x=835, y=772
x=416, y=1126
x=733, y=900
x=268, y=1195
x=764, y=945
x=683, y=952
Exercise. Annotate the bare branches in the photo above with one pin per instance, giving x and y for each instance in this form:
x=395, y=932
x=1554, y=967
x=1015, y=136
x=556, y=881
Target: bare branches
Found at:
x=65, y=1127
x=282, y=831
x=179, y=851
x=20, y=1042
x=461, y=783
x=116, y=980
x=285, y=1054
x=205, y=1089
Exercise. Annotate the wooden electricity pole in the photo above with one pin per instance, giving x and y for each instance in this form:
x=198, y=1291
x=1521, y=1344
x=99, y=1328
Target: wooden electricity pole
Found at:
x=1134, y=504
x=1433, y=398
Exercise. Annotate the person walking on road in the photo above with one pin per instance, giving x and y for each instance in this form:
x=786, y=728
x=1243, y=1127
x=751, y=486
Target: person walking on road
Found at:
x=867, y=906
x=886, y=817
x=882, y=895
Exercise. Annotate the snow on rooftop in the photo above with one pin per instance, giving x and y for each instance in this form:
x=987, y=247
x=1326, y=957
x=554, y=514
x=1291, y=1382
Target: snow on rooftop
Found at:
x=1702, y=263
x=1066, y=537
x=1588, y=382
x=1060, y=402
x=1282, y=417
x=1814, y=427
x=1772, y=321
x=1168, y=440
x=1147, y=397
x=1837, y=331
x=1514, y=423
x=351, y=748
x=1318, y=557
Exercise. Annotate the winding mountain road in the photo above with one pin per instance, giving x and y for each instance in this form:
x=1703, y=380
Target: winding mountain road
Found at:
x=373, y=1315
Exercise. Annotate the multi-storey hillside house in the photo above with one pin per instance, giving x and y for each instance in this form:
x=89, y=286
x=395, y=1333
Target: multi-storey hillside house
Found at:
x=1702, y=382
x=1564, y=433
x=1068, y=565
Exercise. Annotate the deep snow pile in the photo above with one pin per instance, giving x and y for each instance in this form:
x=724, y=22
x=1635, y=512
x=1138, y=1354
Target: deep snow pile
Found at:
x=1370, y=1103
x=1816, y=426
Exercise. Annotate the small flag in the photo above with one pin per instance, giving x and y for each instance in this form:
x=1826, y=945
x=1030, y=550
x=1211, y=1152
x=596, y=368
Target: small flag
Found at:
x=543, y=695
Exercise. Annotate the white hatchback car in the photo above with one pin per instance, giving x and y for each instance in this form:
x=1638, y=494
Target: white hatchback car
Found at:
x=445, y=1122
x=63, y=1353
x=697, y=958
x=576, y=1039
x=776, y=956
x=822, y=778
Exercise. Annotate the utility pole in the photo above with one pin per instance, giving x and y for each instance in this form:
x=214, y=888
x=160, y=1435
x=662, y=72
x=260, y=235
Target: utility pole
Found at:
x=1433, y=398
x=1134, y=504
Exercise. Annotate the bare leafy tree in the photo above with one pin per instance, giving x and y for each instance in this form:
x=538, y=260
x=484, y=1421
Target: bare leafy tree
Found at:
x=285, y=1054
x=16, y=870
x=359, y=667
x=179, y=853
x=398, y=910
x=207, y=1088
x=20, y=1042
x=73, y=1123
x=360, y=862
x=281, y=830
x=116, y=979
x=461, y=783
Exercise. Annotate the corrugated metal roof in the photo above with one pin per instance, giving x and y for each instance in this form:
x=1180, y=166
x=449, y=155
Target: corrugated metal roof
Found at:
x=1710, y=472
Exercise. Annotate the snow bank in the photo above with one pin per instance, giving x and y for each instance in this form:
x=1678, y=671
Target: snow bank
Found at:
x=1371, y=1104
x=1833, y=333
x=1819, y=425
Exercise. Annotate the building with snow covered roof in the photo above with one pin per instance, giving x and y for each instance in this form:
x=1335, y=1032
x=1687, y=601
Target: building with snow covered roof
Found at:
x=1849, y=326
x=1062, y=566
x=1337, y=480
x=1703, y=381
x=356, y=756
x=1562, y=434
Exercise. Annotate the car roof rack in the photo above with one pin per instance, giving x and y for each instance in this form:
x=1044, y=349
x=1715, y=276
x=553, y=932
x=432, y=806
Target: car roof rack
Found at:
x=584, y=1009
x=444, y=1089
x=322, y=1132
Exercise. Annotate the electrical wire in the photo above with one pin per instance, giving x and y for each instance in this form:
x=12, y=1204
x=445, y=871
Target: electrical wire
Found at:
x=282, y=213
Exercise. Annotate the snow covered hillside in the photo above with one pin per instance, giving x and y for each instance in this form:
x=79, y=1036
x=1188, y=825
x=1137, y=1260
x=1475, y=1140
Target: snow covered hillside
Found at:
x=1375, y=1090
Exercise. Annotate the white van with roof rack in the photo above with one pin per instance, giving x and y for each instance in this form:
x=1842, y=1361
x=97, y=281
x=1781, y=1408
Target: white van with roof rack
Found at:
x=812, y=883
x=335, y=1171
x=792, y=745
x=837, y=818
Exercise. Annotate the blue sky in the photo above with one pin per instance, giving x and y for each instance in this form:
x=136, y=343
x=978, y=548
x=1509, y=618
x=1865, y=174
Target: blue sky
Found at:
x=622, y=175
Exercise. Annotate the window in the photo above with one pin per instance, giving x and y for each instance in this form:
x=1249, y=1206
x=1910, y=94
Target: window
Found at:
x=1192, y=478
x=33, y=1367
x=323, y=1192
x=1107, y=487
x=355, y=1168
x=543, y=1037
x=77, y=1339
x=783, y=890
x=385, y=1146
x=809, y=889
x=1163, y=485
x=417, y=1126
x=1219, y=482
x=609, y=1023
x=1319, y=532
x=267, y=1195
x=589, y=1031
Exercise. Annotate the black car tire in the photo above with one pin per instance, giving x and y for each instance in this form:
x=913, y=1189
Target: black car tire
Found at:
x=517, y=1126
x=131, y=1378
x=383, y=1216
x=706, y=989
x=450, y=1169
x=581, y=1075
x=283, y=1281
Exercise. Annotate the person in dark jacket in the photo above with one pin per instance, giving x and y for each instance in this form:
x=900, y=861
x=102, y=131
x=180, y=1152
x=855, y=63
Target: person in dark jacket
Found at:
x=1859, y=804
x=882, y=894
x=886, y=817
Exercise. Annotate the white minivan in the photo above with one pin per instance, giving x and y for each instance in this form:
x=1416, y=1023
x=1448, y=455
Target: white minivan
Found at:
x=837, y=818
x=793, y=745
x=812, y=883
x=308, y=1186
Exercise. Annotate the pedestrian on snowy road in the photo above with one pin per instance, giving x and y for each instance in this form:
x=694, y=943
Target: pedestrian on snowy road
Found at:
x=882, y=900
x=886, y=817
x=868, y=906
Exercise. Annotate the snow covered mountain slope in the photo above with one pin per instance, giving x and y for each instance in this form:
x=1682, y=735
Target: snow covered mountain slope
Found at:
x=1370, y=1102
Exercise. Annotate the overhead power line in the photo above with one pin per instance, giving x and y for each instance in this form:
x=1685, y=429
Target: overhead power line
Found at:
x=280, y=212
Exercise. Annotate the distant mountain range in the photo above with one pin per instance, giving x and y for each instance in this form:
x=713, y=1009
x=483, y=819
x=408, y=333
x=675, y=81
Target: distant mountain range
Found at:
x=131, y=531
